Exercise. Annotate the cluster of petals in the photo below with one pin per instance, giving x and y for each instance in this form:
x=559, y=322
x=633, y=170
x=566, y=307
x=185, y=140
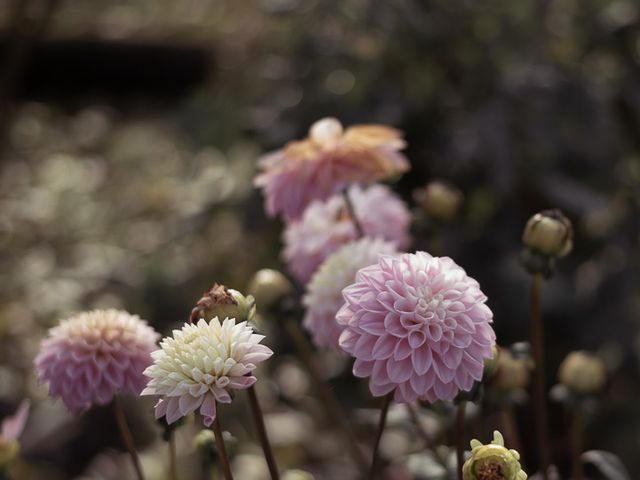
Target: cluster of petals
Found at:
x=327, y=225
x=199, y=364
x=94, y=355
x=323, y=297
x=326, y=162
x=418, y=326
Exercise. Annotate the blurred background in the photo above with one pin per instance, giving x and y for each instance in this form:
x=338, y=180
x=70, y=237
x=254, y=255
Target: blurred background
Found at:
x=129, y=131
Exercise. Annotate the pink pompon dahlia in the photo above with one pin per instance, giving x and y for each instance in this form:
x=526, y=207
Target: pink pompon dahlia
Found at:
x=94, y=355
x=416, y=325
x=323, y=298
x=326, y=162
x=198, y=366
x=327, y=225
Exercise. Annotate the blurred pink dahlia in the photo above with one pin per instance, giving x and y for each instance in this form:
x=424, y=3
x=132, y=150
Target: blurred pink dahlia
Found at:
x=200, y=364
x=327, y=225
x=323, y=298
x=94, y=355
x=416, y=325
x=326, y=162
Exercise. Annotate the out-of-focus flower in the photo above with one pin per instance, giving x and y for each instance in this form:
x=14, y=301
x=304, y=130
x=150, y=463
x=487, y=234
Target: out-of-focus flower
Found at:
x=512, y=372
x=10, y=430
x=549, y=233
x=324, y=293
x=326, y=226
x=222, y=302
x=493, y=461
x=270, y=288
x=326, y=162
x=200, y=364
x=582, y=372
x=296, y=475
x=95, y=355
x=416, y=325
x=440, y=200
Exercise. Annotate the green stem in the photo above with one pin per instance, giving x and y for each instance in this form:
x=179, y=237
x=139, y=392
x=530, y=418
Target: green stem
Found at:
x=352, y=213
x=222, y=450
x=537, y=339
x=262, y=433
x=383, y=422
x=127, y=438
x=460, y=416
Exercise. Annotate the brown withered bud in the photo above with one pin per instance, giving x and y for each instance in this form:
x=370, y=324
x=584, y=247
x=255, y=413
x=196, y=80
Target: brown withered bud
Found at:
x=222, y=302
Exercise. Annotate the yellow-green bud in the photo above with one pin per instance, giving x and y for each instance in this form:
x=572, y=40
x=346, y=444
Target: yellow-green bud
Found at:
x=270, y=288
x=204, y=439
x=582, y=373
x=511, y=372
x=8, y=453
x=296, y=475
x=440, y=200
x=222, y=302
x=549, y=233
x=493, y=462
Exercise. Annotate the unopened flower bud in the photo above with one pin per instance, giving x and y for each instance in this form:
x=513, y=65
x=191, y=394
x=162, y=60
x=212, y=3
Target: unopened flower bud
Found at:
x=440, y=200
x=270, y=289
x=582, y=372
x=511, y=372
x=493, y=462
x=326, y=132
x=223, y=302
x=549, y=233
x=296, y=475
x=490, y=364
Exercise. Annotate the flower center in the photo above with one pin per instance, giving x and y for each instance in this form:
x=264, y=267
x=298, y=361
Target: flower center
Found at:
x=430, y=309
x=490, y=471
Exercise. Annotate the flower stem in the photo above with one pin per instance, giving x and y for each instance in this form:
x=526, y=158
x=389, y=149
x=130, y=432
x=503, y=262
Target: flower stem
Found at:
x=352, y=213
x=222, y=450
x=428, y=442
x=577, y=425
x=462, y=407
x=537, y=340
x=381, y=425
x=511, y=428
x=262, y=433
x=331, y=403
x=125, y=433
x=173, y=465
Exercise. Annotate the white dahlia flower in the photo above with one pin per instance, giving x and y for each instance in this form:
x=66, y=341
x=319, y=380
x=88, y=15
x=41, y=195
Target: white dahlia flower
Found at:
x=200, y=364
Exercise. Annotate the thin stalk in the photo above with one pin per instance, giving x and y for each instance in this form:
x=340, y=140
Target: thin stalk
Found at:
x=173, y=464
x=383, y=422
x=577, y=427
x=125, y=433
x=416, y=421
x=539, y=397
x=352, y=213
x=511, y=428
x=329, y=400
x=222, y=450
x=258, y=419
x=460, y=415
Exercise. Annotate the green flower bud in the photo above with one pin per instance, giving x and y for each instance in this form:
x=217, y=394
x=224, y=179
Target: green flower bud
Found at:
x=440, y=200
x=549, y=233
x=511, y=372
x=223, y=302
x=582, y=373
x=270, y=289
x=493, y=462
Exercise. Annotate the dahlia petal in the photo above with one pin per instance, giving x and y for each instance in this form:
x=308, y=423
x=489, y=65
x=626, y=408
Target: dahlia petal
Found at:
x=188, y=404
x=402, y=349
x=362, y=368
x=173, y=410
x=383, y=347
x=241, y=383
x=421, y=359
x=208, y=409
x=399, y=371
x=381, y=390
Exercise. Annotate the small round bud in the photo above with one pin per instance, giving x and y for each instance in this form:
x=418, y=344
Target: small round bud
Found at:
x=582, y=373
x=493, y=462
x=440, y=200
x=296, y=475
x=270, y=288
x=222, y=302
x=326, y=132
x=549, y=233
x=511, y=372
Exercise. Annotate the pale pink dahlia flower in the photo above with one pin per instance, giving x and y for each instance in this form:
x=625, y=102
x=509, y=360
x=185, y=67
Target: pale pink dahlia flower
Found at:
x=200, y=364
x=327, y=225
x=416, y=325
x=326, y=162
x=94, y=355
x=323, y=298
